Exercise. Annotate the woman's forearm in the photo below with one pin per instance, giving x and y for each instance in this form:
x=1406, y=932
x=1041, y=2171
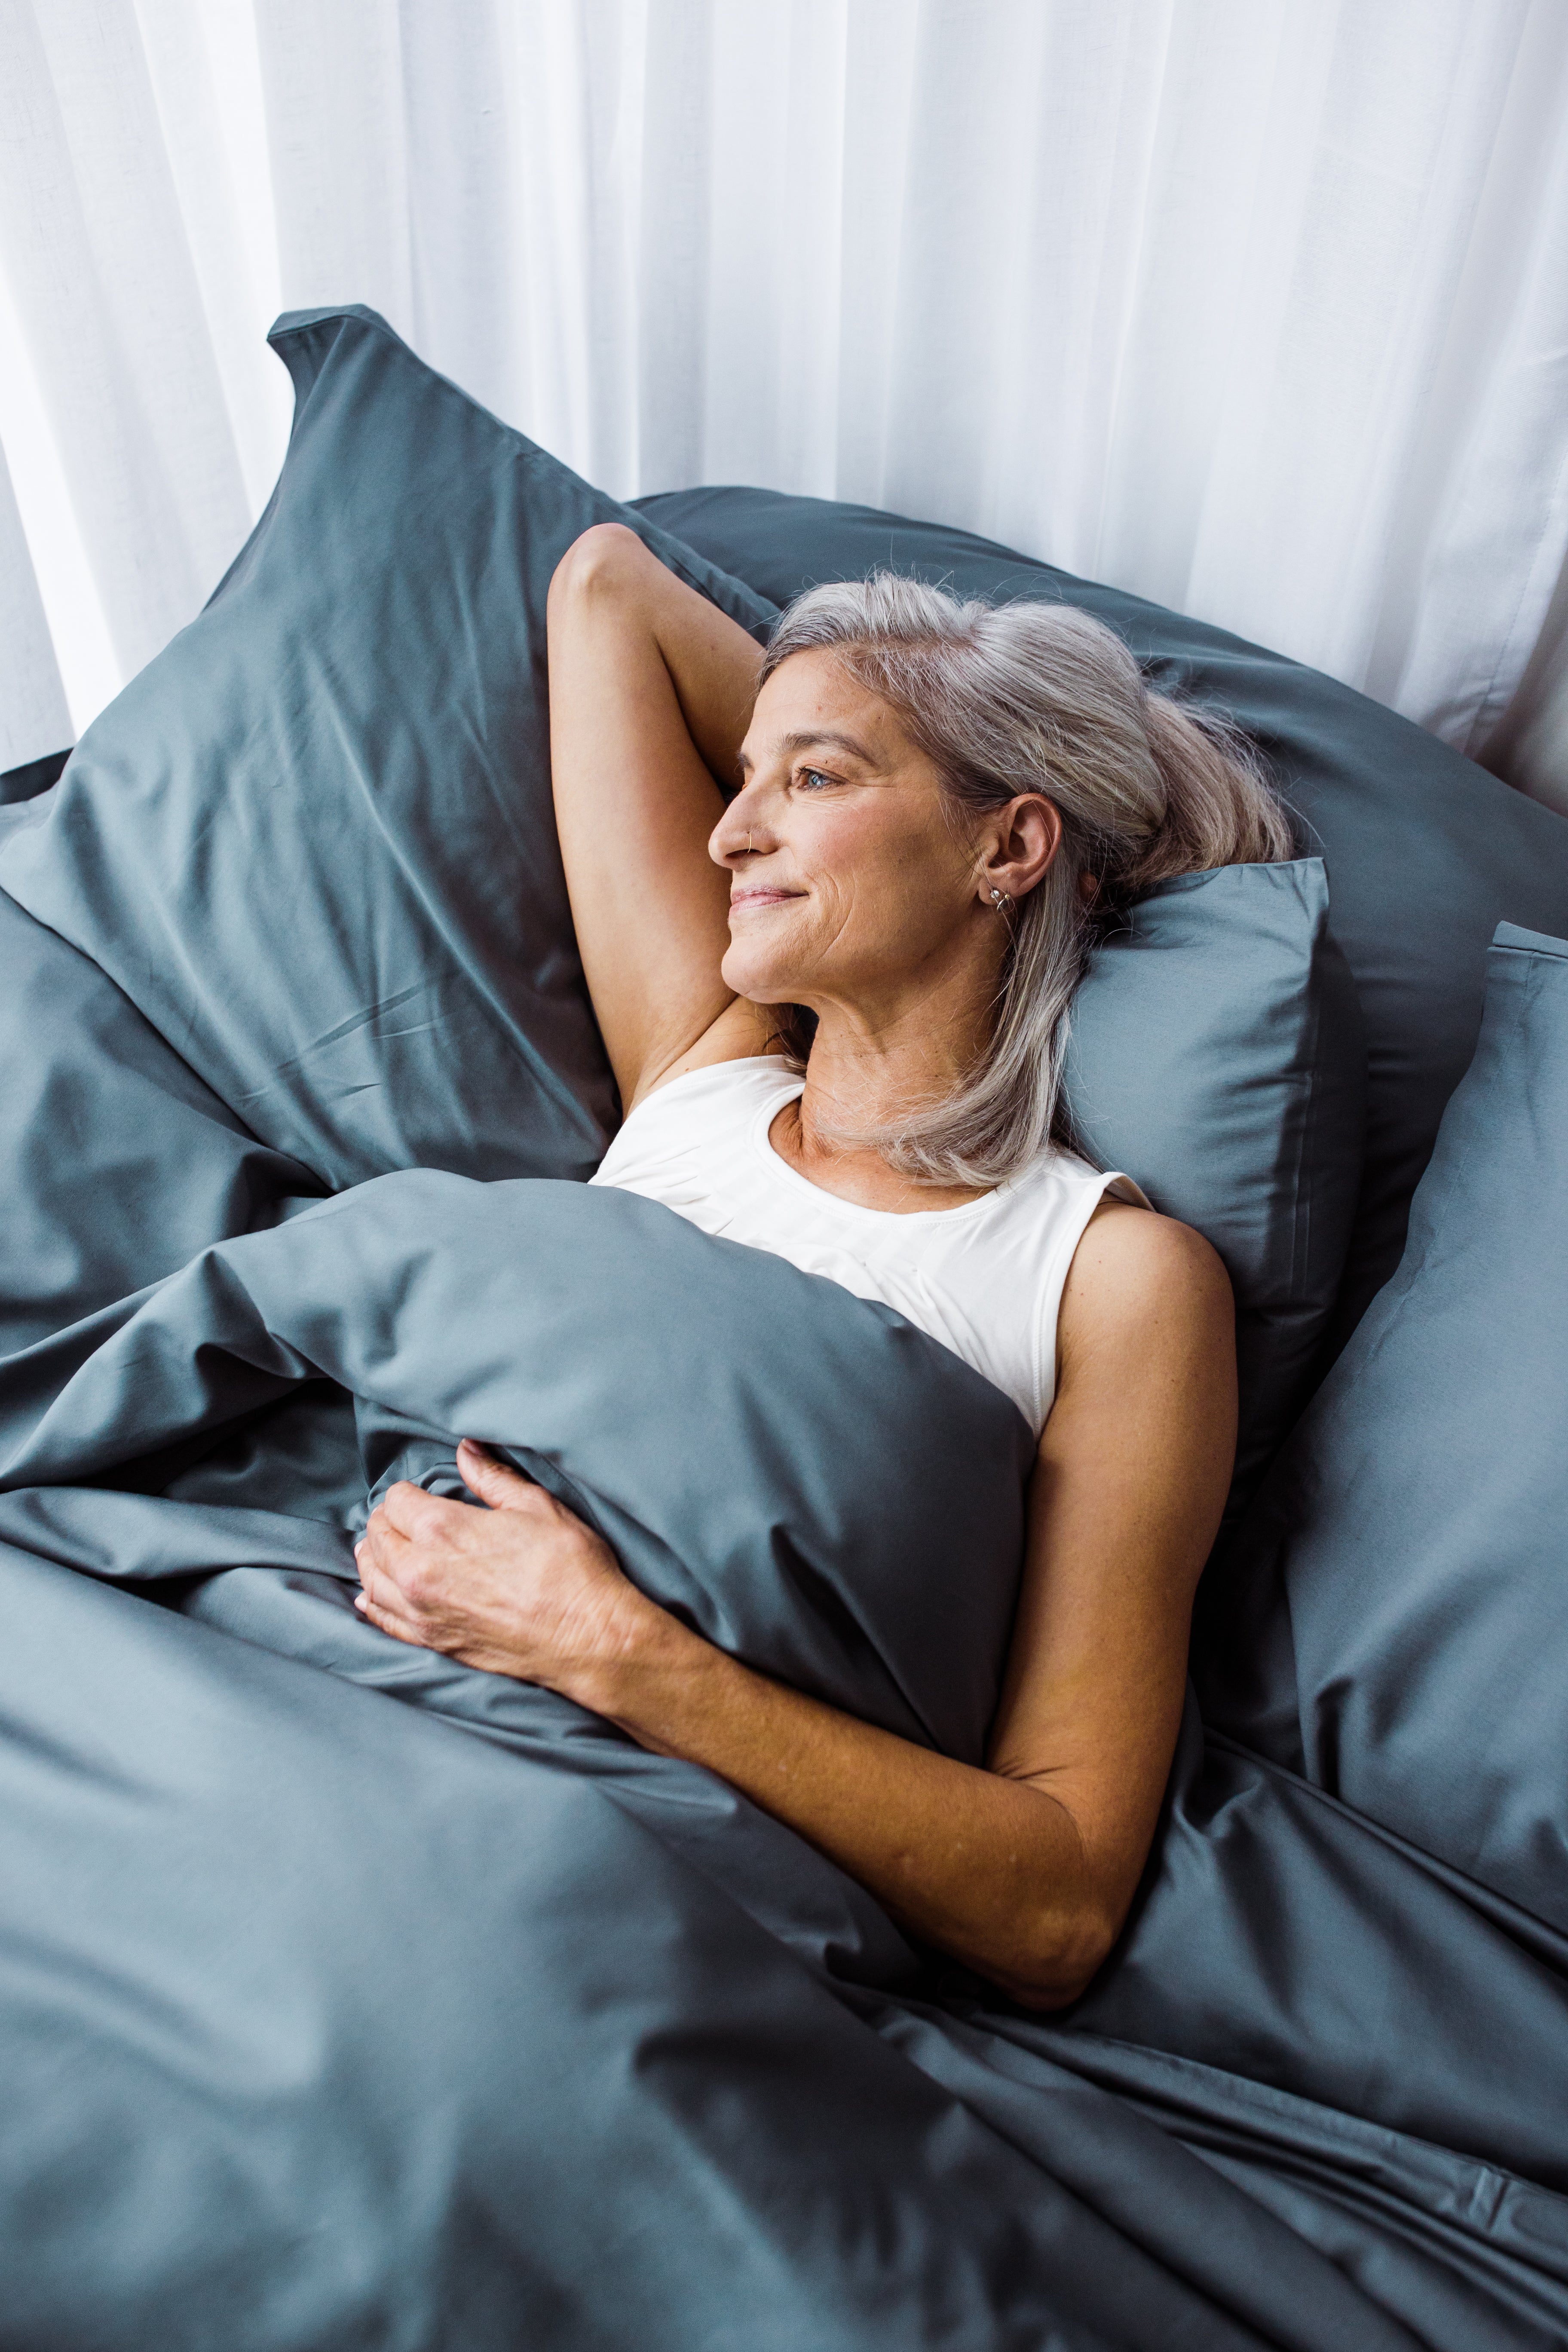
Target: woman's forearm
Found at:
x=989, y=1869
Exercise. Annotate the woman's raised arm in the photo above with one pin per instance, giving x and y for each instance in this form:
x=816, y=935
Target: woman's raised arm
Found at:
x=651, y=688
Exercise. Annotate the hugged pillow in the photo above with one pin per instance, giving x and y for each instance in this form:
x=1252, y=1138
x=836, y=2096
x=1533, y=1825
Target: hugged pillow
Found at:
x=1427, y=852
x=313, y=841
x=1217, y=1056
x=1390, y=1621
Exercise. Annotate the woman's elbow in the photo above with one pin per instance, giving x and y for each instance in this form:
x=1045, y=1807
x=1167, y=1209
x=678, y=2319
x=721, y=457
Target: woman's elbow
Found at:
x=1055, y=1964
x=604, y=561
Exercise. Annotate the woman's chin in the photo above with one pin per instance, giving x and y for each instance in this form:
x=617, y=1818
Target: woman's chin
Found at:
x=759, y=983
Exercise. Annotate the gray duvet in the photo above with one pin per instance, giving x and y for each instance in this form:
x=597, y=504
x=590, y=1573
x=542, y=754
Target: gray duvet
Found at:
x=349, y=1996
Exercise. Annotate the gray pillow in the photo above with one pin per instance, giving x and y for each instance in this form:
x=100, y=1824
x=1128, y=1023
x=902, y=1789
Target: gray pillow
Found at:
x=117, y=1164
x=313, y=841
x=1391, y=1621
x=1217, y=1056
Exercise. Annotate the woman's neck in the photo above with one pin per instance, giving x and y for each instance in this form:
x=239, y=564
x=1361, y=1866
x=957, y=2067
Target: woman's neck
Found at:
x=861, y=1082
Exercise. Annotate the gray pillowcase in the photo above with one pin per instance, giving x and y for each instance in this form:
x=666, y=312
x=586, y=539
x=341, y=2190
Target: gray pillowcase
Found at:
x=1217, y=1056
x=117, y=1164
x=313, y=841
x=1390, y=1622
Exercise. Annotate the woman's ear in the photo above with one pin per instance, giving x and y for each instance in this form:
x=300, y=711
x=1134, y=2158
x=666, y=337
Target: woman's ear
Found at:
x=1023, y=840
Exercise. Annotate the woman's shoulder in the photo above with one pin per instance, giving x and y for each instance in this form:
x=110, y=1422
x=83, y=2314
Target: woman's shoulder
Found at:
x=1134, y=1269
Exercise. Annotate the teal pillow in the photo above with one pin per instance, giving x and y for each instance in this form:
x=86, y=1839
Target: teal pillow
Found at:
x=117, y=1164
x=314, y=842
x=1217, y=1056
x=1391, y=1621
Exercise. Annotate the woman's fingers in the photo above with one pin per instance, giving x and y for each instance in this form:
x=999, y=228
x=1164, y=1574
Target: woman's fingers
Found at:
x=388, y=1565
x=387, y=1560
x=409, y=1511
x=376, y=1583
x=523, y=1588
x=403, y=1629
x=409, y=1571
x=490, y=1480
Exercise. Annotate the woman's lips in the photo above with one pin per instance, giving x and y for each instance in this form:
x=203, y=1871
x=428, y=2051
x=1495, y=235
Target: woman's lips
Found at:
x=761, y=898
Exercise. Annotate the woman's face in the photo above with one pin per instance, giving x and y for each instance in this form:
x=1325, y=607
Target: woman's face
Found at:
x=850, y=880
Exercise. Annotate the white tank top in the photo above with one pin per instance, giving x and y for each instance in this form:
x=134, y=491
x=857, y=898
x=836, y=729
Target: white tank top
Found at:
x=986, y=1279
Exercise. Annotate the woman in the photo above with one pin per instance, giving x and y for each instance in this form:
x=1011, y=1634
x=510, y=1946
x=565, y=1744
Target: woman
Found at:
x=835, y=1007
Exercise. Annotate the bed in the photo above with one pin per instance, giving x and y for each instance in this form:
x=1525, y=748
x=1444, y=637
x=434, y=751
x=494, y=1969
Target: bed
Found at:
x=349, y=1996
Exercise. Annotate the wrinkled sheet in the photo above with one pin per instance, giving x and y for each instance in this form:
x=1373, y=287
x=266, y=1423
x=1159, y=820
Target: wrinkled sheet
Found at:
x=349, y=1996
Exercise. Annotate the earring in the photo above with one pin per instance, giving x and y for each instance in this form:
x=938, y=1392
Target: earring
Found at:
x=1001, y=901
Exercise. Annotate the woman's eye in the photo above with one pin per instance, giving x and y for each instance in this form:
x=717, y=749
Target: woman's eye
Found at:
x=814, y=780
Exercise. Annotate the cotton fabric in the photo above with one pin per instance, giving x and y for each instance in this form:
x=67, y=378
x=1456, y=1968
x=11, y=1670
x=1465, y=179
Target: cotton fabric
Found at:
x=984, y=1278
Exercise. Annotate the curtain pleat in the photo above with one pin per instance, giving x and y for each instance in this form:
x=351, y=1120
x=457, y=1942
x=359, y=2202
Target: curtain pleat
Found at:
x=1259, y=308
x=33, y=709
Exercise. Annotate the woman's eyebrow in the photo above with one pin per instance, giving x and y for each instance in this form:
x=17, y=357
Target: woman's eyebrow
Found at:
x=807, y=739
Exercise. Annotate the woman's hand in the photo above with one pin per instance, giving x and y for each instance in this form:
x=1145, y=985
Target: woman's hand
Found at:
x=521, y=1589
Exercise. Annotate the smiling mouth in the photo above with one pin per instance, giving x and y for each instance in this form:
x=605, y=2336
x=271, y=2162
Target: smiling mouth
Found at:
x=762, y=899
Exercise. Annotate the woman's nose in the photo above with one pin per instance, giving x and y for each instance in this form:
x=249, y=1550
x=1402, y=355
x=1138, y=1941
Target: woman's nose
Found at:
x=737, y=833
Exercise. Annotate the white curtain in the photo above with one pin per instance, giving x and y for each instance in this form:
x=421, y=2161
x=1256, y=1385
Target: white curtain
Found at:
x=1259, y=308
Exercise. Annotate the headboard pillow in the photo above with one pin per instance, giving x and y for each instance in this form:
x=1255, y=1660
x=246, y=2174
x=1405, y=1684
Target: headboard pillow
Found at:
x=1217, y=1056
x=117, y=1164
x=1390, y=1619
x=313, y=840
x=1425, y=851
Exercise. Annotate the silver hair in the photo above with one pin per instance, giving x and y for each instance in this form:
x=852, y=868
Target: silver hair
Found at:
x=1007, y=699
